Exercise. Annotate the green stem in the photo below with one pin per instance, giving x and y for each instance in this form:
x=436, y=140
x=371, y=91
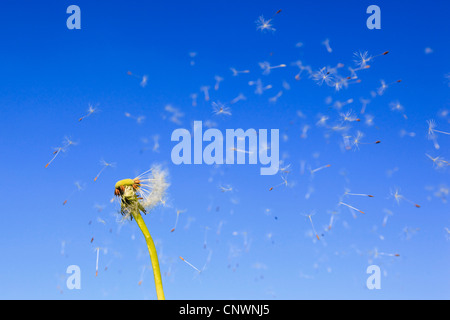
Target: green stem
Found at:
x=153, y=255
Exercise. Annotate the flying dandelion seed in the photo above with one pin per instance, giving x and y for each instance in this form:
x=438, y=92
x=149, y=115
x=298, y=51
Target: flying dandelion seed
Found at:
x=218, y=81
x=176, y=114
x=205, y=90
x=90, y=111
x=220, y=109
x=348, y=193
x=189, y=264
x=266, y=67
x=397, y=196
x=275, y=98
x=79, y=187
x=139, y=119
x=194, y=96
x=323, y=75
x=260, y=88
x=240, y=97
x=439, y=162
x=381, y=90
x=143, y=78
x=66, y=144
x=313, y=171
x=176, y=220
x=237, y=72
x=284, y=183
x=105, y=165
x=264, y=25
x=326, y=43
x=362, y=58
x=309, y=216
x=432, y=129
x=351, y=207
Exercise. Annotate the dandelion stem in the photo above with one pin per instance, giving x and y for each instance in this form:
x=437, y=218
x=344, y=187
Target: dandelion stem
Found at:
x=153, y=255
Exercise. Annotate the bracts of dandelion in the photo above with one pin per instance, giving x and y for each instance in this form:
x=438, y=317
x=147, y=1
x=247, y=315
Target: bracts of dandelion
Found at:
x=139, y=195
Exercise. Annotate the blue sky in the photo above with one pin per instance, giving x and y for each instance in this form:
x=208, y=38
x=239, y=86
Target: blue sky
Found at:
x=253, y=243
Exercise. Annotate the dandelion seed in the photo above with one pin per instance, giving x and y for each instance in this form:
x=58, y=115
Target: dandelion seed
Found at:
x=438, y=162
x=236, y=72
x=432, y=129
x=386, y=217
x=139, y=119
x=205, y=90
x=351, y=207
x=275, y=98
x=240, y=97
x=227, y=188
x=96, y=263
x=143, y=78
x=384, y=86
x=189, y=264
x=348, y=193
x=220, y=109
x=218, y=81
x=260, y=88
x=176, y=220
x=330, y=224
x=397, y=196
x=266, y=67
x=309, y=216
x=349, y=117
x=313, y=171
x=323, y=75
x=193, y=96
x=66, y=144
x=326, y=43
x=90, y=111
x=356, y=141
x=302, y=68
x=284, y=183
x=105, y=165
x=78, y=188
x=176, y=114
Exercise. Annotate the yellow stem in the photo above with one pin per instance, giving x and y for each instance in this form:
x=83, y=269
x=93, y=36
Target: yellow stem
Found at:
x=153, y=255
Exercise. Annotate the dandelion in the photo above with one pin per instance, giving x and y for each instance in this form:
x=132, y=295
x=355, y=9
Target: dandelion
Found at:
x=105, y=165
x=192, y=55
x=142, y=194
x=302, y=68
x=220, y=109
x=362, y=58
